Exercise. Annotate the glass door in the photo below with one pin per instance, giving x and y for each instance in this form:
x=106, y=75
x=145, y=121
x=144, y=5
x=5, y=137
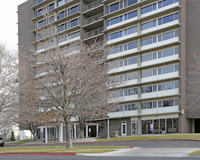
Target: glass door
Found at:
x=133, y=128
x=124, y=129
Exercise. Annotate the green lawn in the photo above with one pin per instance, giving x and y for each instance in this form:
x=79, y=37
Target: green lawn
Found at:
x=61, y=149
x=153, y=137
x=19, y=142
x=195, y=153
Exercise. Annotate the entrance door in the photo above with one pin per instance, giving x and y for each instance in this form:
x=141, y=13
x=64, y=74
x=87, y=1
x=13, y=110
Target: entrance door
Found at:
x=124, y=129
x=133, y=128
x=197, y=125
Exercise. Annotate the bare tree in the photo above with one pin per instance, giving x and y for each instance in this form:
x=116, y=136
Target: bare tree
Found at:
x=8, y=86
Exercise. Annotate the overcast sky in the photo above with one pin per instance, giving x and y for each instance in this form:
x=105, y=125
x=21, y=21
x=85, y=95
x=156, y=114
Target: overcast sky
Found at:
x=8, y=27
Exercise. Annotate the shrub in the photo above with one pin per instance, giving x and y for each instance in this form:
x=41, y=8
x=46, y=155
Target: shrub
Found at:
x=12, y=138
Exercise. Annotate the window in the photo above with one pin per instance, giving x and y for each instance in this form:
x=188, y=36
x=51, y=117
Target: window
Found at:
x=114, y=7
x=114, y=20
x=74, y=23
x=61, y=15
x=39, y=1
x=130, y=46
x=168, y=69
x=168, y=86
x=149, y=73
x=166, y=3
x=130, y=15
x=148, y=25
x=115, y=35
x=51, y=7
x=61, y=2
x=168, y=19
x=167, y=35
x=149, y=8
x=130, y=30
x=168, y=52
x=149, y=89
x=148, y=57
x=39, y=12
x=149, y=105
x=124, y=47
x=73, y=10
x=129, y=2
x=41, y=24
x=149, y=40
x=51, y=19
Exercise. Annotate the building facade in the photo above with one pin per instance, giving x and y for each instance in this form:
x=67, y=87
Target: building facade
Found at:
x=151, y=45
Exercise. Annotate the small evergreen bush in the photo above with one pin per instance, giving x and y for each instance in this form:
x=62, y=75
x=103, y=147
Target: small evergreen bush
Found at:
x=12, y=138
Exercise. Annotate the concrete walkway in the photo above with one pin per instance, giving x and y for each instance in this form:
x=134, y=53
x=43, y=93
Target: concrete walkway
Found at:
x=149, y=152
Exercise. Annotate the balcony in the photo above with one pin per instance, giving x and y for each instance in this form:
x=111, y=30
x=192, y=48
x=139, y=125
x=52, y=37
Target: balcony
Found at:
x=123, y=114
x=161, y=27
x=122, y=38
x=160, y=60
x=166, y=8
x=121, y=54
x=123, y=99
x=161, y=44
x=160, y=77
x=93, y=33
x=68, y=40
x=92, y=5
x=122, y=69
x=160, y=110
x=160, y=94
x=93, y=19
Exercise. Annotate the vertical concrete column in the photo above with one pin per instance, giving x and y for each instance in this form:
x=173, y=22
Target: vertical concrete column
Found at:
x=61, y=133
x=139, y=126
x=46, y=134
x=74, y=131
x=97, y=129
x=86, y=131
x=108, y=125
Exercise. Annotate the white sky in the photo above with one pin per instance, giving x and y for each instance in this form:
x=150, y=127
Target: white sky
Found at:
x=8, y=27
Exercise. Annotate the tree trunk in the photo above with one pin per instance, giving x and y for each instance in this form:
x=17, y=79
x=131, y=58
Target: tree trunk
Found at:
x=68, y=134
x=81, y=132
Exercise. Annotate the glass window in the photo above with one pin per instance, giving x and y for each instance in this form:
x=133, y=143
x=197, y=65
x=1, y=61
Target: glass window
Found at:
x=147, y=73
x=130, y=46
x=130, y=15
x=149, y=8
x=130, y=30
x=148, y=25
x=114, y=20
x=115, y=35
x=74, y=23
x=61, y=2
x=147, y=41
x=147, y=57
x=51, y=7
x=73, y=10
x=114, y=7
x=39, y=1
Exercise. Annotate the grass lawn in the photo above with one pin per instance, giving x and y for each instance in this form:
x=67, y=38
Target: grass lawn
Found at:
x=19, y=142
x=195, y=153
x=153, y=137
x=61, y=149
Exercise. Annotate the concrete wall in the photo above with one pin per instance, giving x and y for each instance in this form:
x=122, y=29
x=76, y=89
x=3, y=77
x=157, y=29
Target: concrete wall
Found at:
x=193, y=58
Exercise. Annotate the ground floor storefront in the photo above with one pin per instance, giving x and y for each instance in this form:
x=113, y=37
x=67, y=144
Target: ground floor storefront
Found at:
x=114, y=127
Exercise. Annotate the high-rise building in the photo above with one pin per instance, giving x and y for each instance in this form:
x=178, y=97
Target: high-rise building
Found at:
x=151, y=45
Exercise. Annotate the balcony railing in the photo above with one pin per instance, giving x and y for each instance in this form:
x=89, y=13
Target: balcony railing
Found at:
x=93, y=33
x=93, y=19
x=92, y=5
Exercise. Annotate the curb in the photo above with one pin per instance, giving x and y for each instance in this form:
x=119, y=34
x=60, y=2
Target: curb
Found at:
x=39, y=154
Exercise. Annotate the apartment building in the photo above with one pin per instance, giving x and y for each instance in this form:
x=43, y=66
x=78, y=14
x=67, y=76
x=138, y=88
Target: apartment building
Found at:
x=151, y=45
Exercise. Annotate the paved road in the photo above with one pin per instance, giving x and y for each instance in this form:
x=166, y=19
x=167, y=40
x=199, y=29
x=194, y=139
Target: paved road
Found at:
x=87, y=158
